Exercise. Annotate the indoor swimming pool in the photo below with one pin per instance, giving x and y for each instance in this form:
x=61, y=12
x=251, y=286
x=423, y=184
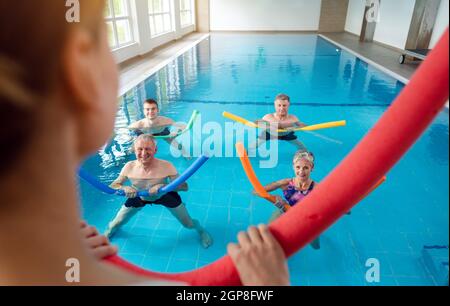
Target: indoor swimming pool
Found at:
x=242, y=74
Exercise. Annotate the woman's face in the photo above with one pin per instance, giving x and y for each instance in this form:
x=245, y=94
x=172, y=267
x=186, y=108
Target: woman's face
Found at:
x=302, y=169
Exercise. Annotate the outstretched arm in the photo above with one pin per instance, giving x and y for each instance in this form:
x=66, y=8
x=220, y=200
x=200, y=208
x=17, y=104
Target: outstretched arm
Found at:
x=179, y=126
x=118, y=182
x=183, y=187
x=276, y=185
x=265, y=124
x=298, y=123
x=134, y=125
x=130, y=192
x=294, y=124
x=155, y=188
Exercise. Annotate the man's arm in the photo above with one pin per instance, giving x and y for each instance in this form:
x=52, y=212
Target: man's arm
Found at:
x=158, y=125
x=118, y=182
x=130, y=192
x=179, y=126
x=267, y=124
x=298, y=123
x=122, y=178
x=294, y=124
x=262, y=124
x=134, y=125
x=183, y=187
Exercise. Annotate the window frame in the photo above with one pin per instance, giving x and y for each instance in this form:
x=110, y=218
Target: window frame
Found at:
x=171, y=16
x=113, y=19
x=190, y=10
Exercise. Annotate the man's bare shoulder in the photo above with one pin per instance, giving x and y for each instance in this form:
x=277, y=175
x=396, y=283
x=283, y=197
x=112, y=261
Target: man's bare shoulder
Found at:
x=164, y=120
x=127, y=169
x=129, y=166
x=168, y=167
x=137, y=124
x=269, y=118
x=293, y=118
x=163, y=163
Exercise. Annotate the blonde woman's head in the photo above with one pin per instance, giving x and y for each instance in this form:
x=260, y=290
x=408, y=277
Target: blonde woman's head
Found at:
x=53, y=72
x=303, y=164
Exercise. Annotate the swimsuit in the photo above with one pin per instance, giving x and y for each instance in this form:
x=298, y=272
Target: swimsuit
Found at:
x=164, y=132
x=288, y=137
x=169, y=200
x=293, y=196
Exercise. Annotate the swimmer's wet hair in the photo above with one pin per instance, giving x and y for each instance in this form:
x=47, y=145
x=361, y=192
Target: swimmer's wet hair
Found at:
x=283, y=97
x=303, y=154
x=145, y=137
x=151, y=102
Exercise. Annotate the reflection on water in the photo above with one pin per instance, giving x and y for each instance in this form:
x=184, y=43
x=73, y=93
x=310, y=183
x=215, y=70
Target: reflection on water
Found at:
x=347, y=72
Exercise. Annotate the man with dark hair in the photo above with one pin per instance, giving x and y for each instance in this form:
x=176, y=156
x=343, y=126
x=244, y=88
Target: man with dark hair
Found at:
x=157, y=125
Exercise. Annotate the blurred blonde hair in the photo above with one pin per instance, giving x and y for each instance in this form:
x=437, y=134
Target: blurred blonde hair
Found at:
x=32, y=37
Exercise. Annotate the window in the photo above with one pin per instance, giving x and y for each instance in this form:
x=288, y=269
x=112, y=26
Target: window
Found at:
x=160, y=13
x=118, y=20
x=186, y=13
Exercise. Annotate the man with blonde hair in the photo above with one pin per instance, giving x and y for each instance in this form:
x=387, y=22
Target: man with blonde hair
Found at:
x=280, y=119
x=150, y=173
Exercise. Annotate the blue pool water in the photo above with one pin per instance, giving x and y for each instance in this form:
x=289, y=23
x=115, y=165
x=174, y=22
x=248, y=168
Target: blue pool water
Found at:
x=242, y=74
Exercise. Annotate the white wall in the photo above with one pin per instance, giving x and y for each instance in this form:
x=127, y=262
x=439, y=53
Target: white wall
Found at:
x=265, y=15
x=144, y=43
x=394, y=22
x=355, y=16
x=441, y=23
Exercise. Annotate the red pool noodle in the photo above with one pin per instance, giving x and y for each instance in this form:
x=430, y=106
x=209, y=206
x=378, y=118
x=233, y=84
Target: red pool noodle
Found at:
x=396, y=131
